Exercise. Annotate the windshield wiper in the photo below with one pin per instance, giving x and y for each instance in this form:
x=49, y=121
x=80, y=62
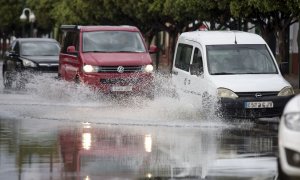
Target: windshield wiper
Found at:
x=222, y=73
x=129, y=51
x=97, y=51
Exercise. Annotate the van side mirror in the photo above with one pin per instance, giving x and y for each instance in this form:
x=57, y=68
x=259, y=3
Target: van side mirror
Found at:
x=153, y=49
x=71, y=49
x=284, y=67
x=196, y=69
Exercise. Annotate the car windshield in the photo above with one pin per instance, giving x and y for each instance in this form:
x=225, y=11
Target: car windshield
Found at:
x=240, y=59
x=112, y=41
x=39, y=48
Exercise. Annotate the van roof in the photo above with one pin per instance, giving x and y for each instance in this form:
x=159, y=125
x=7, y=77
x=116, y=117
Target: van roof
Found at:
x=99, y=28
x=222, y=37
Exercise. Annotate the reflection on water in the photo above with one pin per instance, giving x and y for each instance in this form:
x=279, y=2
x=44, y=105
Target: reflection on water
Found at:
x=25, y=154
x=138, y=152
x=37, y=149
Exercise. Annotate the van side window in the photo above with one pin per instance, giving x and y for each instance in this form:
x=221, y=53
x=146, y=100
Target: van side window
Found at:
x=71, y=39
x=183, y=56
x=197, y=59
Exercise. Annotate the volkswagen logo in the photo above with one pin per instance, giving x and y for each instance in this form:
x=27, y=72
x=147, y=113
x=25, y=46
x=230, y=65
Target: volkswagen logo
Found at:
x=120, y=69
x=258, y=95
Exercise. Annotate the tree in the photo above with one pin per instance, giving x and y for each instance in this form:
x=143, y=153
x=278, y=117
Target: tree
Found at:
x=45, y=21
x=272, y=18
x=10, y=12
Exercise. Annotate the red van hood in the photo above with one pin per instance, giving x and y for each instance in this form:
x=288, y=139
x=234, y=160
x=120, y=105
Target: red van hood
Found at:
x=116, y=59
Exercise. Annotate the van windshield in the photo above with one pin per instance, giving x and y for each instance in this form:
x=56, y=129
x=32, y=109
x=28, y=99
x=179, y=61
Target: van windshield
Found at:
x=112, y=41
x=240, y=59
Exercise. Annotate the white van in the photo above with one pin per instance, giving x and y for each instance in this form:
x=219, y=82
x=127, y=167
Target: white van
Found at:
x=237, y=68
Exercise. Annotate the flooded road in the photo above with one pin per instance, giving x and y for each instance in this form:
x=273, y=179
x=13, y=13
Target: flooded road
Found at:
x=55, y=130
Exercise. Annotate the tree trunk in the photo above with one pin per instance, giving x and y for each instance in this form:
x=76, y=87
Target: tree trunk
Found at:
x=298, y=40
x=1, y=44
x=171, y=50
x=283, y=55
x=270, y=37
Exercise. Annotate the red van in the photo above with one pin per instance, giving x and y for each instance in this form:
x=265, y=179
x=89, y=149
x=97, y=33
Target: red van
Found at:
x=113, y=59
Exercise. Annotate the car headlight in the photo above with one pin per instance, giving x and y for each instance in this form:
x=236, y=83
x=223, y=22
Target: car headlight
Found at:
x=148, y=68
x=27, y=63
x=286, y=91
x=90, y=68
x=226, y=93
x=292, y=121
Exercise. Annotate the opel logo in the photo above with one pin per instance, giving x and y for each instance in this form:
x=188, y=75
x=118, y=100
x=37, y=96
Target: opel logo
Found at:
x=258, y=95
x=120, y=69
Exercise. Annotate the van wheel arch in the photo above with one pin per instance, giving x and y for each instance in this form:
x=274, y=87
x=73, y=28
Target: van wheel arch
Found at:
x=78, y=79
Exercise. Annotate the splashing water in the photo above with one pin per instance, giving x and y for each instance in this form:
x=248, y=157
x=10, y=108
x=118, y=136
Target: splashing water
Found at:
x=82, y=102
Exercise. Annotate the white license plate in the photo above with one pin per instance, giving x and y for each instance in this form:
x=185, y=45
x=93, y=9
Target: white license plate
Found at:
x=121, y=88
x=259, y=104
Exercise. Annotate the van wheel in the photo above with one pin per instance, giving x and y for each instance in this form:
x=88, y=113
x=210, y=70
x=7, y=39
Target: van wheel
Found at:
x=150, y=95
x=77, y=80
x=58, y=76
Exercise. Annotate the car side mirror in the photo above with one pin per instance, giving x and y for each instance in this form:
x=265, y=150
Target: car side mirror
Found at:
x=153, y=49
x=71, y=49
x=284, y=66
x=196, y=69
x=12, y=53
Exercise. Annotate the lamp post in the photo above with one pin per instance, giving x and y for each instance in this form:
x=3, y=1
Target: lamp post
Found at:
x=31, y=19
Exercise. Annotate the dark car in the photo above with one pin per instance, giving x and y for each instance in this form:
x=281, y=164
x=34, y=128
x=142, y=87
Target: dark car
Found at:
x=27, y=56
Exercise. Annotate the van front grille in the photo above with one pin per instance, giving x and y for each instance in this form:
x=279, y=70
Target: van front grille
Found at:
x=120, y=81
x=114, y=69
x=255, y=94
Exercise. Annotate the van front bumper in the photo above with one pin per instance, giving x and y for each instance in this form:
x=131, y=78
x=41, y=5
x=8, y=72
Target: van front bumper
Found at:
x=138, y=83
x=237, y=107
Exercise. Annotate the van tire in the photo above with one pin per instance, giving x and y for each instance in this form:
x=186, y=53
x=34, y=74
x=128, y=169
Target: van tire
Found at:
x=58, y=76
x=77, y=80
x=150, y=95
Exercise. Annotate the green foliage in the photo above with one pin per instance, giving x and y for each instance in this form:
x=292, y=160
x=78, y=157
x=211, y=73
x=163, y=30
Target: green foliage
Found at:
x=42, y=10
x=152, y=16
x=10, y=12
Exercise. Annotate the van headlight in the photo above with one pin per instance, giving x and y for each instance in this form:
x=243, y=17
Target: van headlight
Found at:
x=286, y=91
x=226, y=93
x=292, y=121
x=27, y=63
x=148, y=68
x=90, y=68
